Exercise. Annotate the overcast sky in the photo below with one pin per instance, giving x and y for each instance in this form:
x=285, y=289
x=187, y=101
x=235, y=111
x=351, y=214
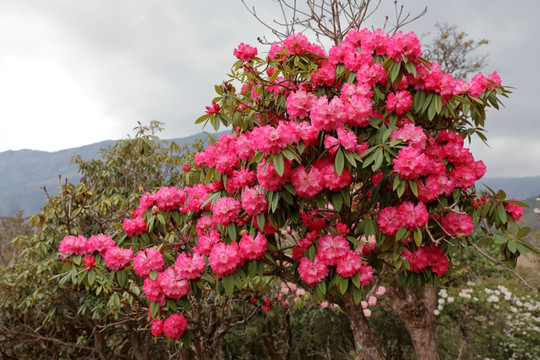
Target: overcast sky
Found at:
x=78, y=72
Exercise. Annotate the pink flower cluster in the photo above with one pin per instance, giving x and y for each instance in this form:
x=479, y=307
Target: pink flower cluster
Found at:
x=514, y=210
x=245, y=52
x=406, y=215
x=79, y=245
x=334, y=250
x=174, y=326
x=294, y=148
x=148, y=260
x=441, y=165
x=117, y=258
x=454, y=223
x=425, y=256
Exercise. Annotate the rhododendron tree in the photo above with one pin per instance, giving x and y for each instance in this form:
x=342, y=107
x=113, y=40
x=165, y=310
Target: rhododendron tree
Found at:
x=341, y=170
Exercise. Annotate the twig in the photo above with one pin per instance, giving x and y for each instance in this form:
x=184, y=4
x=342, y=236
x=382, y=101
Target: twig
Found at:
x=501, y=264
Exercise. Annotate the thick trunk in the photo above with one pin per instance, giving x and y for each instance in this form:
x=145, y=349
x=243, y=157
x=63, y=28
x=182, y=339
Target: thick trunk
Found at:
x=139, y=342
x=415, y=308
x=365, y=343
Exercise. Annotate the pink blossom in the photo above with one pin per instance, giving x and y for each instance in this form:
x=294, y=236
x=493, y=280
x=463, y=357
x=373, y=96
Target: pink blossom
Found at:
x=89, y=261
x=381, y=290
x=327, y=115
x=330, y=179
x=226, y=210
x=253, y=248
x=403, y=44
x=189, y=267
x=413, y=135
x=100, y=243
x=175, y=326
x=170, y=198
x=516, y=211
x=312, y=272
x=172, y=284
x=157, y=327
x=299, y=104
x=365, y=274
x=349, y=264
x=390, y=220
x=410, y=163
x=372, y=301
x=245, y=52
x=364, y=304
x=153, y=291
x=224, y=259
x=206, y=243
x=332, y=247
x=74, y=245
x=371, y=75
x=148, y=260
x=118, y=258
x=213, y=109
x=205, y=225
x=454, y=223
x=254, y=201
x=306, y=184
x=269, y=178
x=401, y=102
x=324, y=75
x=269, y=140
x=413, y=216
x=197, y=195
x=135, y=226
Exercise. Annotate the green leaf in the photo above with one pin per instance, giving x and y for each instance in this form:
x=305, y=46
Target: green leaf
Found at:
x=260, y=220
x=203, y=118
x=357, y=295
x=228, y=284
x=378, y=160
x=339, y=161
x=431, y=110
x=252, y=268
x=275, y=202
x=356, y=281
x=91, y=276
x=396, y=183
x=231, y=230
x=512, y=246
x=418, y=237
x=395, y=72
x=153, y=275
x=402, y=234
x=522, y=232
x=279, y=164
x=501, y=212
x=209, y=279
x=343, y=285
x=76, y=259
x=401, y=188
x=154, y=308
x=121, y=277
x=414, y=187
x=438, y=103
x=185, y=304
x=337, y=201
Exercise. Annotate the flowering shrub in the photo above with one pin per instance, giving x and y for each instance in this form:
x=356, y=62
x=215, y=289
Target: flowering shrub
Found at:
x=326, y=151
x=500, y=323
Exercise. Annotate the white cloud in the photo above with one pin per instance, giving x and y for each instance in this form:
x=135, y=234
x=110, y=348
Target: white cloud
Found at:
x=103, y=65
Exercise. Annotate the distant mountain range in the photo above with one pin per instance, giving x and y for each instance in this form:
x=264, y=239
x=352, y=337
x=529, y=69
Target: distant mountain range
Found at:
x=23, y=174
